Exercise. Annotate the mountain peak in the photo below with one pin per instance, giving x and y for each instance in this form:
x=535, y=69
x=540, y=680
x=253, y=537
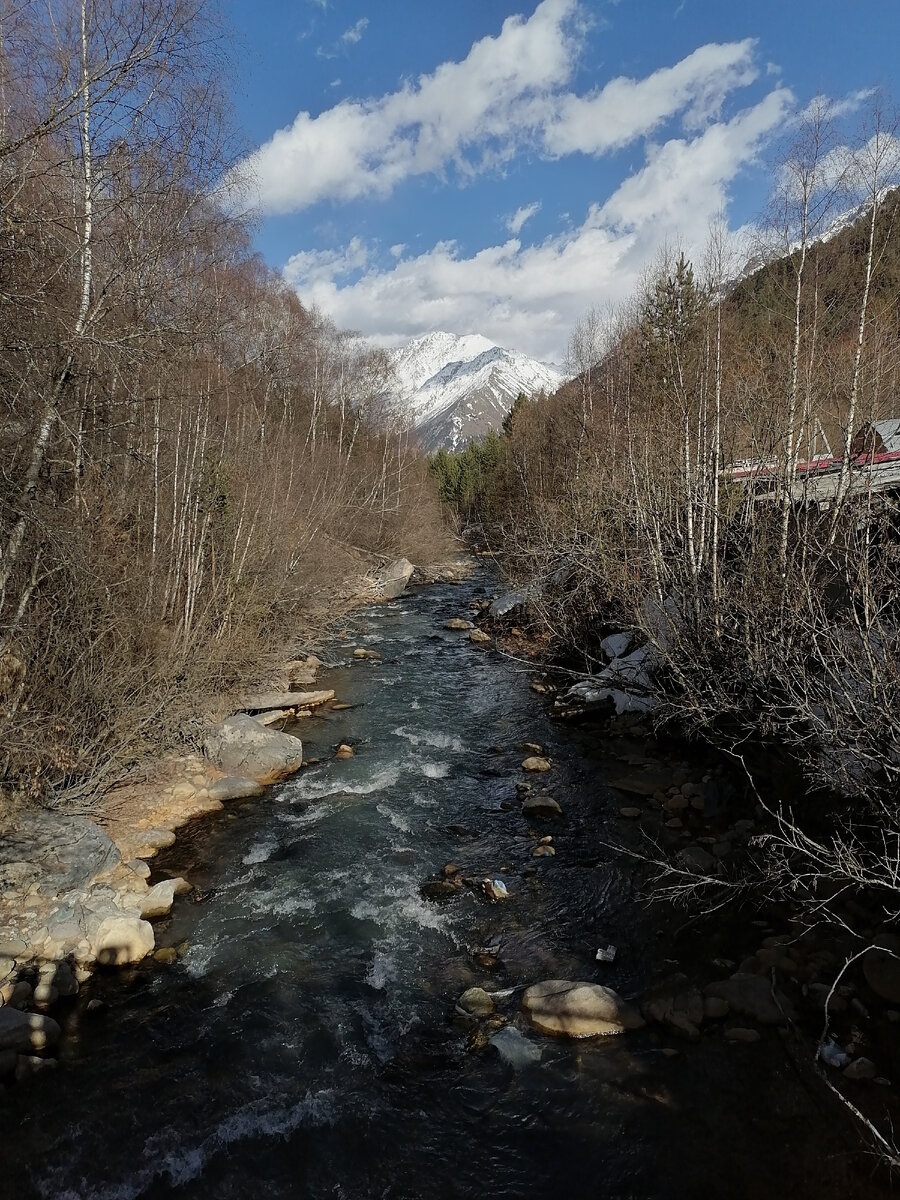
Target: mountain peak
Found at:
x=455, y=388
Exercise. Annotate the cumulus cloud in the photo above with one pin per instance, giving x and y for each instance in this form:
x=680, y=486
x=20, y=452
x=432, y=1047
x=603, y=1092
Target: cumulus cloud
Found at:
x=515, y=223
x=470, y=114
x=530, y=296
x=511, y=91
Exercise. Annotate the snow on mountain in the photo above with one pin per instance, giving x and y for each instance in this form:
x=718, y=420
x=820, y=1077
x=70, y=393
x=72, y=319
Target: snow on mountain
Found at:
x=454, y=389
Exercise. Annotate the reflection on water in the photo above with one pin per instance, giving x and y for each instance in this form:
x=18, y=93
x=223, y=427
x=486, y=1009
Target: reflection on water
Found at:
x=304, y=1045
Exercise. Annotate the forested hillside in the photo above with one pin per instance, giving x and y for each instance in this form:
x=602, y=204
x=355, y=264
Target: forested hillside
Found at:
x=769, y=614
x=190, y=468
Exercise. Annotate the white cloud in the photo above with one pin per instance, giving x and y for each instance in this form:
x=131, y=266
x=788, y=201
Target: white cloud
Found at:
x=469, y=114
x=529, y=296
x=354, y=34
x=625, y=109
x=515, y=223
x=510, y=92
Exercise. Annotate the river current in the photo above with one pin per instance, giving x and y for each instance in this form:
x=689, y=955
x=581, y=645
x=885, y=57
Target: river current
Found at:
x=304, y=1043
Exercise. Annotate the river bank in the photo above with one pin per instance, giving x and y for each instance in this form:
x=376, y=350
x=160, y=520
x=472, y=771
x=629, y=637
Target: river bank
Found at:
x=308, y=1013
x=75, y=890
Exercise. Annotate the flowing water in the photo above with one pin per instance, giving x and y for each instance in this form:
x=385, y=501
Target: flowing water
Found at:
x=304, y=1044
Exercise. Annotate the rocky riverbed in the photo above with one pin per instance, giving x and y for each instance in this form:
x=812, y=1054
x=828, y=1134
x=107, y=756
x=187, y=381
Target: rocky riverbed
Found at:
x=437, y=932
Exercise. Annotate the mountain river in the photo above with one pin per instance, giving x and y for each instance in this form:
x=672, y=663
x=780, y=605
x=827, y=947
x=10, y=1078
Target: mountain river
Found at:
x=304, y=1044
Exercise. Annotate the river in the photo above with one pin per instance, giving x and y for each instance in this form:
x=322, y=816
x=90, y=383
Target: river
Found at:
x=304, y=1043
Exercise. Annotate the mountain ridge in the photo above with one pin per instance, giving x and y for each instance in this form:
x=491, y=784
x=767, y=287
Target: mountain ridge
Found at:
x=456, y=388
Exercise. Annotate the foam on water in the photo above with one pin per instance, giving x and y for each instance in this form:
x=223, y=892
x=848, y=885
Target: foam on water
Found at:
x=429, y=737
x=314, y=787
x=261, y=851
x=435, y=770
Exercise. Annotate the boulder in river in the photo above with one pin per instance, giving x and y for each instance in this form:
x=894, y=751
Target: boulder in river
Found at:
x=578, y=1010
x=541, y=805
x=479, y=637
x=536, y=763
x=457, y=623
x=239, y=745
x=476, y=1002
x=362, y=652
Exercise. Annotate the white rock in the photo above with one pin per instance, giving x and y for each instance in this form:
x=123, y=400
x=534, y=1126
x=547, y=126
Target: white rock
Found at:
x=121, y=940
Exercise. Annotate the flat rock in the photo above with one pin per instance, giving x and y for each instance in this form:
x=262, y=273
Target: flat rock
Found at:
x=266, y=701
x=25, y=1031
x=861, y=1068
x=62, y=852
x=578, y=1010
x=458, y=623
x=239, y=745
x=752, y=996
x=643, y=782
x=362, y=652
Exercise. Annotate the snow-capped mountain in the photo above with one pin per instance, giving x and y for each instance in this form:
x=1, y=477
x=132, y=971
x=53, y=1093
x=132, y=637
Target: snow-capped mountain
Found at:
x=454, y=389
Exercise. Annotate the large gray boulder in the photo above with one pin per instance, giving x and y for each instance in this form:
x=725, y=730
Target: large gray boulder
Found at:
x=578, y=1010
x=392, y=580
x=239, y=745
x=62, y=853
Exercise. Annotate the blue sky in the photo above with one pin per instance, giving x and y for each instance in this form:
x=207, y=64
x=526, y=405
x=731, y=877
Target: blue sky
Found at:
x=499, y=167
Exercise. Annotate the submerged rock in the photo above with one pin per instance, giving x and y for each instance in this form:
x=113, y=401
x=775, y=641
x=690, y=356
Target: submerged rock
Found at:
x=578, y=1010
x=515, y=1050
